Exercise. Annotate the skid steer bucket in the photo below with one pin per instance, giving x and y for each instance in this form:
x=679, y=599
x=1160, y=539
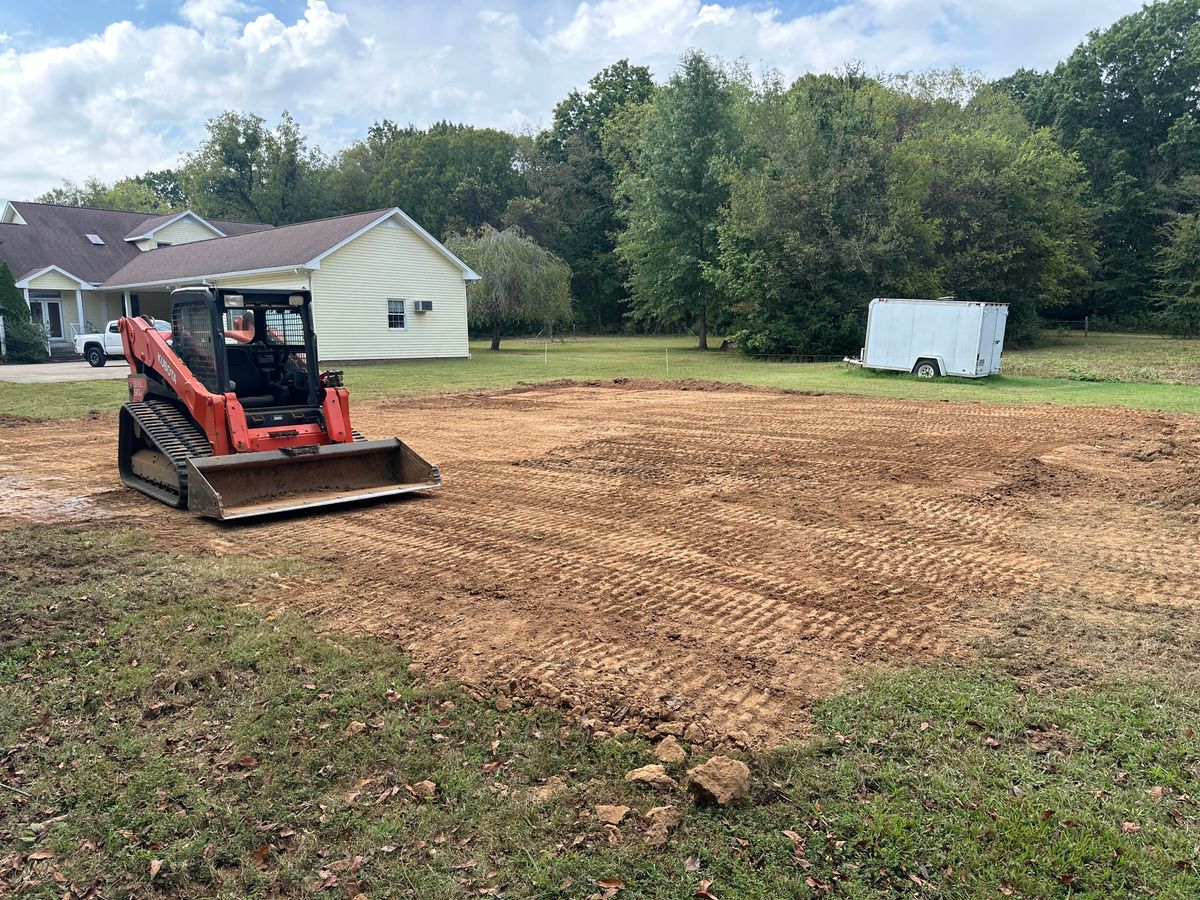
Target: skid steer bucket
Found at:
x=244, y=485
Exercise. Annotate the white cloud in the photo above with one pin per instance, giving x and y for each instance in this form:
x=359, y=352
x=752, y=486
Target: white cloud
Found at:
x=131, y=98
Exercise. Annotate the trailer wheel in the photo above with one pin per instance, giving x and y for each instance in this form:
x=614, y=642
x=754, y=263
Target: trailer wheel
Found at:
x=94, y=354
x=927, y=368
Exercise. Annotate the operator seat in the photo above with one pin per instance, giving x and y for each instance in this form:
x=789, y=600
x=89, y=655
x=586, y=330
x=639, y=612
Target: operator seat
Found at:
x=246, y=379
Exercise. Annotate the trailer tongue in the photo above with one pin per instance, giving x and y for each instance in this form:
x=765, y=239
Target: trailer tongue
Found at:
x=233, y=420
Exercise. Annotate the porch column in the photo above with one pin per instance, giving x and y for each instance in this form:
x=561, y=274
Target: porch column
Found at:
x=26, y=292
x=128, y=307
x=79, y=308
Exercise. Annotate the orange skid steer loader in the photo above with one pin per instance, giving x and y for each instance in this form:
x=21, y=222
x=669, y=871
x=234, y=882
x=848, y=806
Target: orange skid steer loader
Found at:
x=233, y=419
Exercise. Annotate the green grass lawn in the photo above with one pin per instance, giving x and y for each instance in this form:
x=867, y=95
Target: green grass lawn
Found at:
x=159, y=742
x=1064, y=373
x=1137, y=358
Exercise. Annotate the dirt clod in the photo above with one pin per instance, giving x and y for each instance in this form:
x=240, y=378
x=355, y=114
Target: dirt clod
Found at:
x=611, y=815
x=721, y=780
x=654, y=776
x=548, y=789
x=425, y=790
x=669, y=751
x=661, y=822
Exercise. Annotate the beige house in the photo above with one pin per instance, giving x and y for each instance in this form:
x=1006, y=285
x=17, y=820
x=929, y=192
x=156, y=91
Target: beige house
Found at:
x=383, y=287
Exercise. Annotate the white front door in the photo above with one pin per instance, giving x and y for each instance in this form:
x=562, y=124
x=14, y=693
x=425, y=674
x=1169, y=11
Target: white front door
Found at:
x=48, y=314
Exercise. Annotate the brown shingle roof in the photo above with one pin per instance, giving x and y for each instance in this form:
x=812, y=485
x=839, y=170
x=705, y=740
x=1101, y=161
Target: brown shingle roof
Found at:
x=279, y=248
x=57, y=235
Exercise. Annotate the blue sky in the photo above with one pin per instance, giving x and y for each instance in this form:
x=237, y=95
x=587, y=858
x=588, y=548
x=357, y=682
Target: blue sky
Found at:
x=111, y=88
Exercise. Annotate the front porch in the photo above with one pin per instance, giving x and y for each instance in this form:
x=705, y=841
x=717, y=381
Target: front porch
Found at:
x=66, y=306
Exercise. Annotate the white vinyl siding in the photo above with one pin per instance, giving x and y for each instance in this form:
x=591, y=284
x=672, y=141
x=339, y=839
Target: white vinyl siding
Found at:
x=100, y=308
x=52, y=281
x=185, y=231
x=280, y=281
x=352, y=286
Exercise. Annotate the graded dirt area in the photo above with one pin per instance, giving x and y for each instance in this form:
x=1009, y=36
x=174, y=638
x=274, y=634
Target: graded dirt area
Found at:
x=643, y=554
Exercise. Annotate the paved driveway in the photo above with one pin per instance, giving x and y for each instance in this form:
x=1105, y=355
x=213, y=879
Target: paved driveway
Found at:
x=48, y=373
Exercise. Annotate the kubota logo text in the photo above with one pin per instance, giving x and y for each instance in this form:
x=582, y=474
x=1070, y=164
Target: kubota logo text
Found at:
x=165, y=368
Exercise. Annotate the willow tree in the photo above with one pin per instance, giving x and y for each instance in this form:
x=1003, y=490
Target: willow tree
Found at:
x=520, y=284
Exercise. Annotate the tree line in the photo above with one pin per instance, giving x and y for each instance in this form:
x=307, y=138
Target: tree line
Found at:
x=770, y=212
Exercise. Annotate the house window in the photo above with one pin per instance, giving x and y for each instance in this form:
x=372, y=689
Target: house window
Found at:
x=396, y=314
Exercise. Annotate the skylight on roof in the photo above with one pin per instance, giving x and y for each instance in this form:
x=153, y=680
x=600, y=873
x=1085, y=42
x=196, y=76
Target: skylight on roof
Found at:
x=95, y=239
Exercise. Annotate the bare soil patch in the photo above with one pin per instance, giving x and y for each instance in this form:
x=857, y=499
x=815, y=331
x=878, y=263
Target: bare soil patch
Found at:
x=651, y=557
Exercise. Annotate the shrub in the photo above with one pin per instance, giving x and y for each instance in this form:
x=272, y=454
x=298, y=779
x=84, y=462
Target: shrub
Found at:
x=25, y=341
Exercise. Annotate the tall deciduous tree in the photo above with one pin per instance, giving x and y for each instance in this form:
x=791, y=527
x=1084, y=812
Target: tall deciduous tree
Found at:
x=570, y=206
x=450, y=178
x=153, y=192
x=1125, y=101
x=1178, y=268
x=854, y=189
x=520, y=283
x=674, y=198
x=244, y=170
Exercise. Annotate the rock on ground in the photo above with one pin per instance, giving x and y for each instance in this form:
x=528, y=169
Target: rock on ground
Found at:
x=661, y=822
x=611, y=815
x=721, y=780
x=654, y=776
x=669, y=750
x=425, y=790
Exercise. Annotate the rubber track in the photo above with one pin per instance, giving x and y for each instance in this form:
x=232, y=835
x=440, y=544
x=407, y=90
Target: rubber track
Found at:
x=173, y=433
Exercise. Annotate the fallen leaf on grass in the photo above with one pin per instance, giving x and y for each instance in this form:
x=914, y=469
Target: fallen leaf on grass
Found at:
x=1155, y=792
x=356, y=727
x=40, y=854
x=704, y=892
x=691, y=864
x=326, y=880
x=610, y=885
x=1005, y=890
x=1130, y=827
x=259, y=856
x=244, y=762
x=155, y=868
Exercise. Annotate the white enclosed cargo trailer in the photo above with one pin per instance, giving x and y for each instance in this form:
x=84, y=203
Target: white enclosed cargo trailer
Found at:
x=934, y=337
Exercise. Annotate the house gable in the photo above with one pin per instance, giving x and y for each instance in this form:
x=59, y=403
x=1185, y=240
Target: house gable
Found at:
x=11, y=216
x=178, y=228
x=54, y=279
x=389, y=262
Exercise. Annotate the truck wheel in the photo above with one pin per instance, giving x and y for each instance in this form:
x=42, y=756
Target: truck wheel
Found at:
x=927, y=368
x=95, y=356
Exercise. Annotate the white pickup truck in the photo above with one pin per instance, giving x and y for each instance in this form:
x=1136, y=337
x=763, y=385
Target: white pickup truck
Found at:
x=97, y=347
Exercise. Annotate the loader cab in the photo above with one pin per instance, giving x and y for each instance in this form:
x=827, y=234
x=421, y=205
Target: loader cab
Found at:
x=258, y=345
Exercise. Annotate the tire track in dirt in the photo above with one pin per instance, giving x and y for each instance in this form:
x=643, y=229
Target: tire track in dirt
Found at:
x=720, y=557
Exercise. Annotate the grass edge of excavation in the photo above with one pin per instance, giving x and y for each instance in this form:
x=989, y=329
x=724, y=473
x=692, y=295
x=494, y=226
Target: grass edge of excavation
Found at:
x=205, y=748
x=1093, y=378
